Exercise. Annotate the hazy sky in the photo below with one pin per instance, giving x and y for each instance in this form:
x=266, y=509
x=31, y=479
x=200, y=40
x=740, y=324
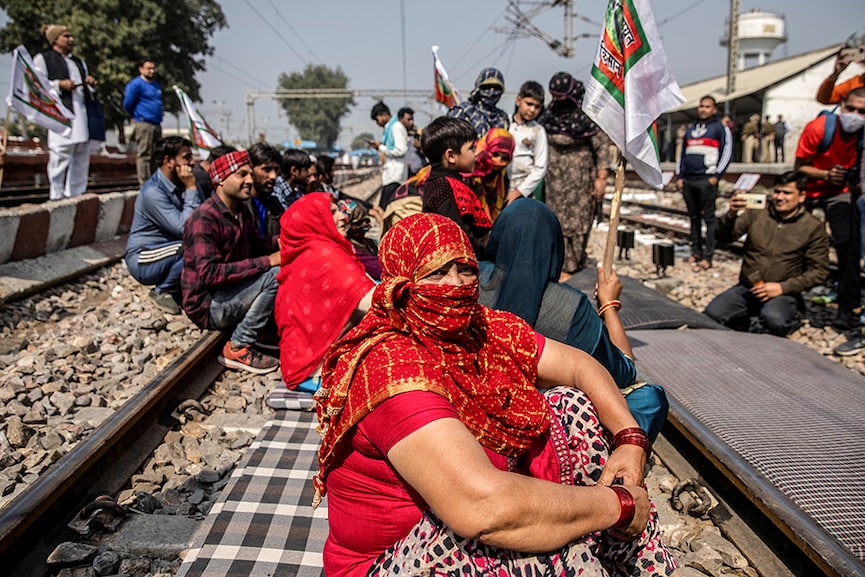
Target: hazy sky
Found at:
x=365, y=39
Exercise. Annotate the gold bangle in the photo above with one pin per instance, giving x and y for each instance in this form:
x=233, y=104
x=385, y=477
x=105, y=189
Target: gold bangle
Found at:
x=614, y=304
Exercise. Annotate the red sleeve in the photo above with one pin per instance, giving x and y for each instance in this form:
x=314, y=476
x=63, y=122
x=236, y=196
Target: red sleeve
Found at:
x=810, y=139
x=402, y=414
x=542, y=341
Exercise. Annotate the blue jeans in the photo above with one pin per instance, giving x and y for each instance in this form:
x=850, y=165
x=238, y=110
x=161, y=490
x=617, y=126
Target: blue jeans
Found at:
x=700, y=197
x=248, y=304
x=735, y=306
x=164, y=273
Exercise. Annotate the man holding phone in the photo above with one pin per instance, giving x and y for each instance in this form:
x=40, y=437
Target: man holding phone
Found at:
x=786, y=252
x=829, y=92
x=393, y=148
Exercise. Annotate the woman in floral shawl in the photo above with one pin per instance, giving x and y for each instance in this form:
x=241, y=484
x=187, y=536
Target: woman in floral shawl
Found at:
x=579, y=156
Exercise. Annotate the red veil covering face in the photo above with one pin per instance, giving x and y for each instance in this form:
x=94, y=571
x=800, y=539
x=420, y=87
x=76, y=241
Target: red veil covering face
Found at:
x=435, y=338
x=489, y=172
x=321, y=281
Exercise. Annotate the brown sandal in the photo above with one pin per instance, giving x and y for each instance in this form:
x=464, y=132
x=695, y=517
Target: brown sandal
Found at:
x=702, y=265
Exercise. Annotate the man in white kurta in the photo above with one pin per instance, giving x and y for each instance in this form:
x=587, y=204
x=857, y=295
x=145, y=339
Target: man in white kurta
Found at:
x=68, y=156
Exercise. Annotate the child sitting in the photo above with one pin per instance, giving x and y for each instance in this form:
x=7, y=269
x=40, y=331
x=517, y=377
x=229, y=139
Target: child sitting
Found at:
x=449, y=144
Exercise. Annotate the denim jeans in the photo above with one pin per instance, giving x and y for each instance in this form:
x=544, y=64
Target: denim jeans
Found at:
x=164, y=273
x=248, y=304
x=700, y=197
x=735, y=306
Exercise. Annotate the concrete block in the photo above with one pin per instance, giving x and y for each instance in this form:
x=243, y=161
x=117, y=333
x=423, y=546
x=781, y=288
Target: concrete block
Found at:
x=160, y=536
x=110, y=211
x=32, y=232
x=9, y=225
x=62, y=224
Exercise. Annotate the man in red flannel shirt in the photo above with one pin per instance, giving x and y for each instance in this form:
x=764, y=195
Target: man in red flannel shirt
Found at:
x=229, y=271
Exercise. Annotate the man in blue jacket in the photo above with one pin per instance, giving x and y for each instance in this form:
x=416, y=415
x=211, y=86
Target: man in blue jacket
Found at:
x=706, y=153
x=143, y=102
x=154, y=250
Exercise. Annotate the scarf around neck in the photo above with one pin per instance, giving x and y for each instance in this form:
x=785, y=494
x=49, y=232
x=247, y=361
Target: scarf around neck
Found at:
x=430, y=337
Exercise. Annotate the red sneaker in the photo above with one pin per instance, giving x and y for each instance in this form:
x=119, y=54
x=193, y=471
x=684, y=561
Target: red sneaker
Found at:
x=247, y=359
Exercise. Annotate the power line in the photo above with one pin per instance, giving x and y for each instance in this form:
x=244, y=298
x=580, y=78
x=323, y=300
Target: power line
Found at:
x=680, y=12
x=484, y=57
x=290, y=27
x=229, y=74
x=275, y=31
x=475, y=43
x=249, y=76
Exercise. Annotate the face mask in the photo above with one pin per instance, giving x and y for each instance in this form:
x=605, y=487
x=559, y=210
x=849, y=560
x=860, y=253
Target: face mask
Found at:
x=489, y=97
x=851, y=122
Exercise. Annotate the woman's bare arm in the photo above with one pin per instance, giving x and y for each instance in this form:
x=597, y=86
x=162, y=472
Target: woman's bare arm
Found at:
x=451, y=471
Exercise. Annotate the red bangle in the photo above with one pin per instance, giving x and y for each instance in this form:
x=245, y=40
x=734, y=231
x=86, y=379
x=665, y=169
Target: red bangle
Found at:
x=633, y=436
x=627, y=505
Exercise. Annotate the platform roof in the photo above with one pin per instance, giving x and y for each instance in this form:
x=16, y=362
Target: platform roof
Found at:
x=752, y=80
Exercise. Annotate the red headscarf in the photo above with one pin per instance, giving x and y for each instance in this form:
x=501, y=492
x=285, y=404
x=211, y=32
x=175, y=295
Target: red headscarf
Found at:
x=490, y=172
x=432, y=338
x=321, y=281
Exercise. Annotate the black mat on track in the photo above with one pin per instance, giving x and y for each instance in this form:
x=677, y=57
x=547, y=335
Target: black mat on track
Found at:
x=644, y=308
x=787, y=421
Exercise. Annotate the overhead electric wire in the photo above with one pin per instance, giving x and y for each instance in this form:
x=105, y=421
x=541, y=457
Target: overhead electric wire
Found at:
x=315, y=57
x=475, y=43
x=249, y=76
x=680, y=12
x=277, y=32
x=482, y=58
x=229, y=74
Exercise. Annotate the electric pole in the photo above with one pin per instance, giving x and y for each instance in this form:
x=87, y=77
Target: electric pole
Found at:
x=732, y=52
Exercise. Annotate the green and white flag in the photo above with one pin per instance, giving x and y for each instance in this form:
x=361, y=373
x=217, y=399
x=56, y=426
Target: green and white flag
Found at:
x=31, y=95
x=203, y=136
x=631, y=85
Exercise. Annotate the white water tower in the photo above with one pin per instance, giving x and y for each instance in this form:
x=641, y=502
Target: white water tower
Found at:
x=759, y=34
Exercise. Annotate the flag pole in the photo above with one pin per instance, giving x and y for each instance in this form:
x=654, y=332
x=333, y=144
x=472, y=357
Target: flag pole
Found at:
x=612, y=233
x=3, y=146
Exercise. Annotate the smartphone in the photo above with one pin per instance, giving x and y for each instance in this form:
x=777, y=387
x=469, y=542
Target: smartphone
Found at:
x=855, y=54
x=754, y=200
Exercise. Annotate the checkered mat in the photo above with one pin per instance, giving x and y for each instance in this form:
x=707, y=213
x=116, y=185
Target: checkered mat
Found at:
x=283, y=398
x=264, y=524
x=789, y=422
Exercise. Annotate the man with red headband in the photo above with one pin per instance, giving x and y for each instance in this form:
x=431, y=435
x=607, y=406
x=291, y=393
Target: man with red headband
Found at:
x=229, y=271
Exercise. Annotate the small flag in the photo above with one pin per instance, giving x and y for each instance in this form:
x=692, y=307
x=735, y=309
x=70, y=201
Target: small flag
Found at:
x=203, y=136
x=632, y=85
x=445, y=93
x=31, y=94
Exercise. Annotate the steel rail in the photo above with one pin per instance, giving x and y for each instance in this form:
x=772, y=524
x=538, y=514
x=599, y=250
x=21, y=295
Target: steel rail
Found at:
x=790, y=533
x=101, y=464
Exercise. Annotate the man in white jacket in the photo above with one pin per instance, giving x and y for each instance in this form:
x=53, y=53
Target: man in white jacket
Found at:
x=393, y=147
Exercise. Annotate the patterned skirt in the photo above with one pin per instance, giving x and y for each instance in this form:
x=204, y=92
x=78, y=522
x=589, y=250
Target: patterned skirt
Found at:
x=580, y=447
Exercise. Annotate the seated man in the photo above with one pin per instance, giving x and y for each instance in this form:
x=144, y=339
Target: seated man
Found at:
x=154, y=250
x=294, y=180
x=202, y=169
x=265, y=207
x=229, y=271
x=786, y=252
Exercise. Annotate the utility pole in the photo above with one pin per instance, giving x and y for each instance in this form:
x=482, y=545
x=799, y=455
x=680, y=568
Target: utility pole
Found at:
x=732, y=52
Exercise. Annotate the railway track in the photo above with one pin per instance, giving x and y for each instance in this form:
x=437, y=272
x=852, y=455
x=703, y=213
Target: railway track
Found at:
x=101, y=464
